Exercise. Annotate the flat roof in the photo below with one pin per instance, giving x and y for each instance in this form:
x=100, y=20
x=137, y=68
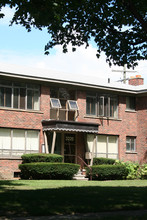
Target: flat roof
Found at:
x=45, y=75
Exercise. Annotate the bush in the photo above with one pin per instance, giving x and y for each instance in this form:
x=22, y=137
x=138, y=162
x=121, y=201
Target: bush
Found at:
x=101, y=160
x=38, y=157
x=135, y=171
x=108, y=172
x=48, y=170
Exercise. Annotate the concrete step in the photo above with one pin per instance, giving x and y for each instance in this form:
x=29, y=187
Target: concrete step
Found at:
x=80, y=176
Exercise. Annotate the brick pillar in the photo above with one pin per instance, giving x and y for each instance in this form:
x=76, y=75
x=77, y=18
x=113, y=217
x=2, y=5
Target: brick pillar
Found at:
x=136, y=80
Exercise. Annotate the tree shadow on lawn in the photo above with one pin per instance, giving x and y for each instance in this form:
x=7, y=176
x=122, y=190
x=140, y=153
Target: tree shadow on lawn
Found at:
x=70, y=200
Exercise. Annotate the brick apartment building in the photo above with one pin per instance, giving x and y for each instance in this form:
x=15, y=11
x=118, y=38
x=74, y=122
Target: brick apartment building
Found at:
x=75, y=116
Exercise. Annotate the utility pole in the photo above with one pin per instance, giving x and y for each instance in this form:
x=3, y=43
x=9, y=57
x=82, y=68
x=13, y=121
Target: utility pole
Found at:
x=124, y=71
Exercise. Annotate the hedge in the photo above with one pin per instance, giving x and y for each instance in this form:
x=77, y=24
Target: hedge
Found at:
x=101, y=160
x=108, y=172
x=40, y=157
x=48, y=170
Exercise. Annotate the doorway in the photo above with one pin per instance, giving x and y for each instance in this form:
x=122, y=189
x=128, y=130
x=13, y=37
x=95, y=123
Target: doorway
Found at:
x=70, y=148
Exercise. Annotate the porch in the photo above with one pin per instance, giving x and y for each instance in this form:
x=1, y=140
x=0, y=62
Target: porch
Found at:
x=69, y=139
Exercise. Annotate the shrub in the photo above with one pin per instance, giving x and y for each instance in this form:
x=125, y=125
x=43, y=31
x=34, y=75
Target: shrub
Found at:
x=40, y=157
x=135, y=171
x=48, y=170
x=144, y=171
x=101, y=160
x=108, y=172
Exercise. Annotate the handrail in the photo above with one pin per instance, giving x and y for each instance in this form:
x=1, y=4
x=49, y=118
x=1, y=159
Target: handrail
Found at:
x=86, y=166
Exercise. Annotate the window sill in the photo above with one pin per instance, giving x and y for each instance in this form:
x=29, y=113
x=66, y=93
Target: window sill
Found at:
x=104, y=118
x=21, y=110
x=131, y=152
x=10, y=158
x=129, y=110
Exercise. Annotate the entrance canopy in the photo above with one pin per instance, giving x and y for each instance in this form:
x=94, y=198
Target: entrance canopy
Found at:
x=70, y=126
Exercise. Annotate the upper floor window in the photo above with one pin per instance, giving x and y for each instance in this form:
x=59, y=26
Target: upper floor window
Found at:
x=131, y=144
x=130, y=103
x=102, y=105
x=19, y=95
x=63, y=104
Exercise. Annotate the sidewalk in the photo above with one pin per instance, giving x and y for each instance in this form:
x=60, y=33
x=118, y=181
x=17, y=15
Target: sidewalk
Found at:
x=132, y=213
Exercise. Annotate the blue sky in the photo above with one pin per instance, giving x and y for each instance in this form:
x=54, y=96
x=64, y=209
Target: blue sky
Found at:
x=19, y=47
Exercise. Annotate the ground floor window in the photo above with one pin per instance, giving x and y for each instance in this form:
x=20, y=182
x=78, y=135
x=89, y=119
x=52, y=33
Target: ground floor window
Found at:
x=106, y=146
x=131, y=144
x=15, y=142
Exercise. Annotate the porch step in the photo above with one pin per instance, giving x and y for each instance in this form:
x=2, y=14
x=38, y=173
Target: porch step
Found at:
x=80, y=176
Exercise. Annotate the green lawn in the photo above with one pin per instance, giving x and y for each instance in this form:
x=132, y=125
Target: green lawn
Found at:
x=50, y=197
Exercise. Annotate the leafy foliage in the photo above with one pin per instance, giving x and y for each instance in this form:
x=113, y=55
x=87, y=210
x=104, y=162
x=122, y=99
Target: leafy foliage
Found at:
x=118, y=27
x=40, y=157
x=135, y=170
x=48, y=170
x=101, y=160
x=108, y=172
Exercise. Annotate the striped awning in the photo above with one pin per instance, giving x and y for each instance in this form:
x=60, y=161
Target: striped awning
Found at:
x=69, y=126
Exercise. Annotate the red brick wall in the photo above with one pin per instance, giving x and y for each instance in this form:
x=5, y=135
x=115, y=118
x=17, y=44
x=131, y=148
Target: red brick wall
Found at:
x=136, y=81
x=8, y=167
x=129, y=123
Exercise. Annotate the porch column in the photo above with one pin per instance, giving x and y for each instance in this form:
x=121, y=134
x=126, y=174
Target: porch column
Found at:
x=94, y=144
x=53, y=142
x=46, y=144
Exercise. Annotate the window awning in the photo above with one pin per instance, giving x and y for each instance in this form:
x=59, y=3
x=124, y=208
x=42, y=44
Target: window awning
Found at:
x=69, y=126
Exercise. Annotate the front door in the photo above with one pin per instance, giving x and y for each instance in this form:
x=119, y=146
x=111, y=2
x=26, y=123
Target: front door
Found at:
x=69, y=148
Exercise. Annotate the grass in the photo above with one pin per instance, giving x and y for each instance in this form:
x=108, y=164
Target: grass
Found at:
x=51, y=197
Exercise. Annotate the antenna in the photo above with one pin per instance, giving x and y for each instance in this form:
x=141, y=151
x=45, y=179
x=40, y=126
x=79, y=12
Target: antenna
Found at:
x=124, y=71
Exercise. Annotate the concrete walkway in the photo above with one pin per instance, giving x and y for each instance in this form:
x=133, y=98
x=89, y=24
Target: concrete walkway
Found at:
x=100, y=215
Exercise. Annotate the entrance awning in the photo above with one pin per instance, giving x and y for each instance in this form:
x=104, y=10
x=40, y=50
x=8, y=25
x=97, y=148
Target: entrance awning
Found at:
x=70, y=126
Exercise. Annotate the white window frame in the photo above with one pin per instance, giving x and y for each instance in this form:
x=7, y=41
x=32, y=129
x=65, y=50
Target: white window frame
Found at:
x=52, y=105
x=129, y=140
x=70, y=107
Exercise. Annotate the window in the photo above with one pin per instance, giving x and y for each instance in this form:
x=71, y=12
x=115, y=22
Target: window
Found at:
x=72, y=105
x=55, y=103
x=91, y=105
x=19, y=95
x=130, y=103
x=106, y=146
x=102, y=105
x=131, y=144
x=15, y=142
x=63, y=104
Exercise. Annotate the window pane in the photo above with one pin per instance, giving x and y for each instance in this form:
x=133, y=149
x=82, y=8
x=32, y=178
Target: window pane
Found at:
x=1, y=96
x=32, y=141
x=54, y=92
x=131, y=103
x=112, y=144
x=132, y=144
x=90, y=138
x=5, y=138
x=18, y=140
x=8, y=92
x=15, y=97
x=29, y=99
x=22, y=98
x=36, y=100
x=128, y=148
x=101, y=106
x=55, y=103
x=102, y=144
x=113, y=107
x=106, y=112
x=91, y=105
x=73, y=105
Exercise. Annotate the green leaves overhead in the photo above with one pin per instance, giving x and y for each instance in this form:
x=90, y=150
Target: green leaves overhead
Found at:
x=118, y=27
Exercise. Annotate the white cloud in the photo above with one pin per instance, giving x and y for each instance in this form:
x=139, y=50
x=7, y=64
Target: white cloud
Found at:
x=82, y=62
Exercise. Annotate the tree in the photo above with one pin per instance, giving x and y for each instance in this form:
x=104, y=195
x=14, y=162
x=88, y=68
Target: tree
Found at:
x=118, y=27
